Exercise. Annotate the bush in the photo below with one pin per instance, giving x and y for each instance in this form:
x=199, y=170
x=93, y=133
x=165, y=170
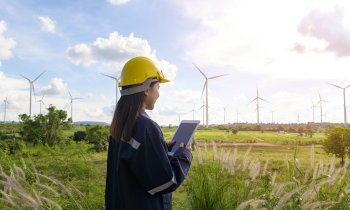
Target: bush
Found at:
x=15, y=147
x=234, y=131
x=79, y=135
x=3, y=146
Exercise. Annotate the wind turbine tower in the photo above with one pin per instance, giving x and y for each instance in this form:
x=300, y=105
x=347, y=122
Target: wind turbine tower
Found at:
x=71, y=104
x=313, y=110
x=31, y=88
x=345, y=123
x=206, y=90
x=117, y=81
x=41, y=102
x=298, y=116
x=257, y=104
x=325, y=116
x=237, y=115
x=225, y=112
x=5, y=102
x=194, y=111
x=320, y=102
x=179, y=117
x=272, y=114
x=202, y=107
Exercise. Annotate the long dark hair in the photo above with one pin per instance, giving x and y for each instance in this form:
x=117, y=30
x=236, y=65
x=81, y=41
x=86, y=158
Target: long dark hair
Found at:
x=128, y=109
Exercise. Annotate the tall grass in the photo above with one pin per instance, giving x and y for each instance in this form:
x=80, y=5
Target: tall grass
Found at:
x=218, y=183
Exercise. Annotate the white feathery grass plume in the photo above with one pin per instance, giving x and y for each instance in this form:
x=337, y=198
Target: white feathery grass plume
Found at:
x=205, y=147
x=226, y=158
x=214, y=151
x=33, y=190
x=278, y=187
x=256, y=172
x=222, y=155
x=255, y=203
x=245, y=159
x=287, y=161
x=325, y=169
x=244, y=204
x=312, y=155
x=198, y=152
x=273, y=180
x=320, y=171
x=48, y=188
x=55, y=181
x=342, y=176
x=265, y=167
x=245, y=163
x=1, y=170
x=281, y=188
x=332, y=167
x=34, y=168
x=238, y=167
x=336, y=173
x=228, y=166
x=306, y=175
x=234, y=157
x=18, y=169
x=246, y=183
x=8, y=199
x=317, y=204
x=51, y=202
x=76, y=190
x=287, y=196
x=251, y=164
x=24, y=164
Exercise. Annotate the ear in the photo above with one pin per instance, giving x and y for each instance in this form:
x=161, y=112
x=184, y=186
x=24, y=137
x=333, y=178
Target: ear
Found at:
x=146, y=92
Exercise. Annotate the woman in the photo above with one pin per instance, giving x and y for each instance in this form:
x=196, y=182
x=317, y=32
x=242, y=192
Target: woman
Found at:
x=140, y=175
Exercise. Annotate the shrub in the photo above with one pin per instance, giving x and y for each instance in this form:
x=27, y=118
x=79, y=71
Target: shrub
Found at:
x=15, y=147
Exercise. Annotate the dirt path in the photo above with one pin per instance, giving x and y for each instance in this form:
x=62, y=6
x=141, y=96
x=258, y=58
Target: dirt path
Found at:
x=231, y=144
x=259, y=139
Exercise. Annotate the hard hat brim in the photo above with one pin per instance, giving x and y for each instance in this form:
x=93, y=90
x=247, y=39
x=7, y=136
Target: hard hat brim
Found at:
x=164, y=81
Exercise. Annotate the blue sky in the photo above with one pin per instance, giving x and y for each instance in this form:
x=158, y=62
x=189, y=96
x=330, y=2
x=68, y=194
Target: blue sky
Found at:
x=289, y=50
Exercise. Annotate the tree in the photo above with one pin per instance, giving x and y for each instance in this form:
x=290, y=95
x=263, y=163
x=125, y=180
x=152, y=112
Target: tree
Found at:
x=280, y=128
x=98, y=135
x=45, y=129
x=308, y=127
x=79, y=135
x=309, y=132
x=301, y=130
x=291, y=130
x=170, y=126
x=258, y=127
x=337, y=142
x=234, y=131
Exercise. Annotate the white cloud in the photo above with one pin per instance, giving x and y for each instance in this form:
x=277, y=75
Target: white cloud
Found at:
x=118, y=1
x=5, y=44
x=117, y=50
x=55, y=87
x=96, y=112
x=89, y=95
x=47, y=24
x=172, y=110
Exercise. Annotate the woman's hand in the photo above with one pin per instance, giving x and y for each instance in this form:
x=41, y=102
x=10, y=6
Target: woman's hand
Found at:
x=171, y=145
x=189, y=147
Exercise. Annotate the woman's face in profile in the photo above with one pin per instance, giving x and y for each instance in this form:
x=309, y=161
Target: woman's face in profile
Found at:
x=151, y=96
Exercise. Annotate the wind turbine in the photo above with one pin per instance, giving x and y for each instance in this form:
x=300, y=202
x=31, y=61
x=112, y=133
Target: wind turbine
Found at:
x=298, y=116
x=320, y=102
x=325, y=116
x=225, y=112
x=313, y=110
x=71, y=104
x=345, y=125
x=202, y=107
x=206, y=89
x=41, y=102
x=193, y=111
x=257, y=104
x=5, y=102
x=237, y=115
x=31, y=88
x=117, y=81
x=179, y=117
x=272, y=114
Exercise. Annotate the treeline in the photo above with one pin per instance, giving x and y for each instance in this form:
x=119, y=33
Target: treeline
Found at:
x=10, y=128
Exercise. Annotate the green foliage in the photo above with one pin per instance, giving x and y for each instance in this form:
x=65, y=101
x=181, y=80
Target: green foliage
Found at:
x=15, y=147
x=337, y=142
x=234, y=131
x=301, y=130
x=280, y=128
x=79, y=135
x=98, y=135
x=45, y=129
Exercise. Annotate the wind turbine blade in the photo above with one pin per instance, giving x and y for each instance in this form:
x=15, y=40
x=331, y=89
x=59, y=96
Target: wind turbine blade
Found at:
x=8, y=103
x=347, y=86
x=70, y=94
x=200, y=71
x=319, y=94
x=334, y=85
x=43, y=96
x=310, y=108
x=317, y=103
x=218, y=76
x=33, y=91
x=264, y=100
x=201, y=108
x=252, y=101
x=204, y=88
x=43, y=103
x=227, y=105
x=312, y=102
x=109, y=76
x=76, y=98
x=325, y=101
x=39, y=76
x=25, y=77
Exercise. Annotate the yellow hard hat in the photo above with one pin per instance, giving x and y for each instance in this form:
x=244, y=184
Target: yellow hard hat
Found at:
x=138, y=69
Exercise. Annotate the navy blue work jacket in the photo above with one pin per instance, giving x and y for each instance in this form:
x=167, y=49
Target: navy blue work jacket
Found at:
x=140, y=175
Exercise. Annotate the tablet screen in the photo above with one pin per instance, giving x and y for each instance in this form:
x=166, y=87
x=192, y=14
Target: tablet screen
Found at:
x=183, y=134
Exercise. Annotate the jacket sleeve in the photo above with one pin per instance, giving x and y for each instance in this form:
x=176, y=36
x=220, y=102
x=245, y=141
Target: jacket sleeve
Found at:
x=154, y=170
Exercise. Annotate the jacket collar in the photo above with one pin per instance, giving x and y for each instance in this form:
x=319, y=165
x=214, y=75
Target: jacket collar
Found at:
x=143, y=113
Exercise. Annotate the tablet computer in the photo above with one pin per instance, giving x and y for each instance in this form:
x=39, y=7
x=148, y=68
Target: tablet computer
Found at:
x=184, y=134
